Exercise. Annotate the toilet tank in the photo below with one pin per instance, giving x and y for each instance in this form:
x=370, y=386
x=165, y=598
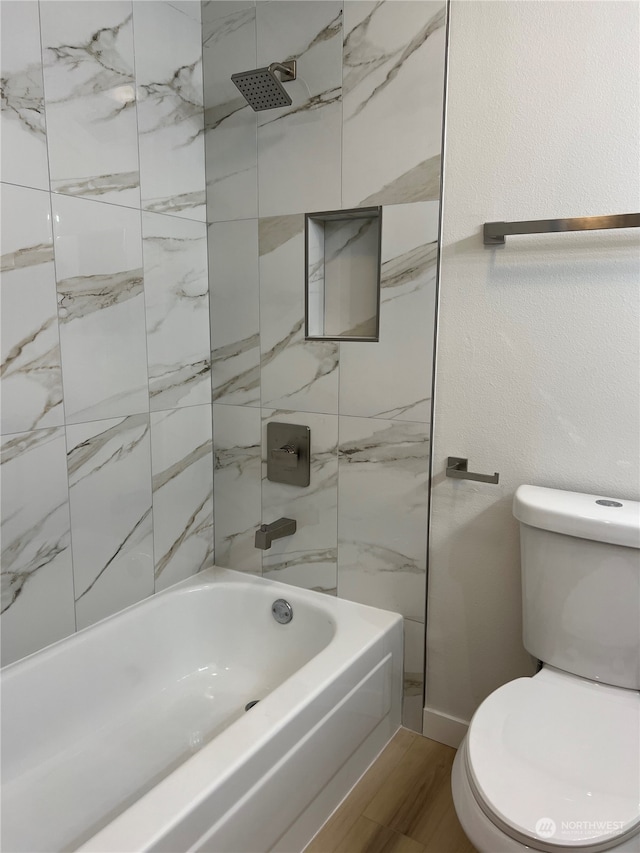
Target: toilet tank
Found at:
x=580, y=559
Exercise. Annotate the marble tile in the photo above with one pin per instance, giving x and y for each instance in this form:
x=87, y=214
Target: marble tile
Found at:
x=170, y=106
x=299, y=146
x=23, y=157
x=308, y=558
x=176, y=294
x=235, y=312
x=37, y=579
x=182, y=469
x=237, y=486
x=382, y=518
x=351, y=260
x=90, y=99
x=98, y=249
x=111, y=519
x=297, y=375
x=392, y=378
x=229, y=46
x=414, y=649
x=214, y=9
x=420, y=183
x=30, y=376
x=315, y=277
x=393, y=95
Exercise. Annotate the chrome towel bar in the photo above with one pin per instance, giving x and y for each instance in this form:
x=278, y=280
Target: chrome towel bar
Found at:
x=495, y=232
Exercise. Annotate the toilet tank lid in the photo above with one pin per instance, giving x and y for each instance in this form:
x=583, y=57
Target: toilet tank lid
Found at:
x=615, y=521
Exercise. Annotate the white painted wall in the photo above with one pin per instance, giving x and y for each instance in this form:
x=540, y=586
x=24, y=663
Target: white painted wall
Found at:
x=538, y=363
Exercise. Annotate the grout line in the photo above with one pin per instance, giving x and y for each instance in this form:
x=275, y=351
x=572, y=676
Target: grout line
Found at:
x=26, y=186
x=373, y=418
x=436, y=329
x=210, y=301
x=342, y=42
x=64, y=425
x=121, y=415
x=55, y=293
x=110, y=203
x=213, y=487
x=259, y=294
x=256, y=117
x=338, y=416
x=144, y=302
x=44, y=99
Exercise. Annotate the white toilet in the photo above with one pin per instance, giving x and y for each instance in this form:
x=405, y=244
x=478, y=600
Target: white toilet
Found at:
x=552, y=762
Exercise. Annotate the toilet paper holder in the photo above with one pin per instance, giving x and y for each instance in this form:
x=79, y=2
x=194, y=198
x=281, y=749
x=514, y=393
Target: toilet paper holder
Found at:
x=457, y=468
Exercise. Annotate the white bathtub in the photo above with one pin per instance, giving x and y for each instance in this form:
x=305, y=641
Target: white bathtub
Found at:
x=132, y=734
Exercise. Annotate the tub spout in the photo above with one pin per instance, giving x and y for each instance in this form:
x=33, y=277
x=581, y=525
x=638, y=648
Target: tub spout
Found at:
x=275, y=530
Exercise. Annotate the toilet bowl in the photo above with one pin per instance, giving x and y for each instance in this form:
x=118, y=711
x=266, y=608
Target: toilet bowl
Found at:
x=528, y=777
x=552, y=762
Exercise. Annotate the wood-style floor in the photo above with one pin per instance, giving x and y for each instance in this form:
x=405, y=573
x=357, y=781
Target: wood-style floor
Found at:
x=401, y=805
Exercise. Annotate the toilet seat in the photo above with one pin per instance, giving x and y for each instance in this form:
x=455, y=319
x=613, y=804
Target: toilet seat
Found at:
x=554, y=761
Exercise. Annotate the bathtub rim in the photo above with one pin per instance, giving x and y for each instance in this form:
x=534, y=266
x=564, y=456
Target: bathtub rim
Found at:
x=217, y=575
x=201, y=580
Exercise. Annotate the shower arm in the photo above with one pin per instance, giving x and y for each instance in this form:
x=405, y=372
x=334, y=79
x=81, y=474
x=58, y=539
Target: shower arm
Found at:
x=287, y=69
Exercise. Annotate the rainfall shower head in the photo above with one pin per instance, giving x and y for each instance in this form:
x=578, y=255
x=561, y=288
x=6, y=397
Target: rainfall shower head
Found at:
x=261, y=88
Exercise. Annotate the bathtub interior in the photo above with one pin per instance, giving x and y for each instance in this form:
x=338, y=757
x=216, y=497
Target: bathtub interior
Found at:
x=95, y=721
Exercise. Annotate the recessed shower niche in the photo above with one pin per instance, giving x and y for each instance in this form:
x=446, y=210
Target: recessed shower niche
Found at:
x=342, y=261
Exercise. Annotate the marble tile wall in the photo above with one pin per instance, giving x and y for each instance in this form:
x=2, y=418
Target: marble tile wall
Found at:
x=364, y=129
x=106, y=435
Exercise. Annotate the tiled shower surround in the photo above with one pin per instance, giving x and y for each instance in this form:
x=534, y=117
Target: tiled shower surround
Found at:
x=106, y=395
x=108, y=369
x=364, y=130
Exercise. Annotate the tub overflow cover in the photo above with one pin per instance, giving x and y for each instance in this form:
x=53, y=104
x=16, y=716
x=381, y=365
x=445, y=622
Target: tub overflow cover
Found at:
x=282, y=611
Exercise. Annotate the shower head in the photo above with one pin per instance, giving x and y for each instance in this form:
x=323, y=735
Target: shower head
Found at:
x=261, y=88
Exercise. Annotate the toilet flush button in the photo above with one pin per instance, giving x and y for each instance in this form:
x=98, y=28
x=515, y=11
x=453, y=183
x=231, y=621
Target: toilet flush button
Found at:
x=608, y=503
